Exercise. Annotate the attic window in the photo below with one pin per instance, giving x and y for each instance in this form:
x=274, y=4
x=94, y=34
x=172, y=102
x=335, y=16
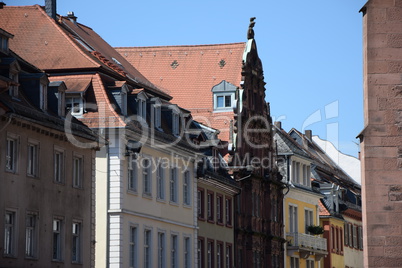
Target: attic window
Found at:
x=174, y=64
x=75, y=105
x=4, y=43
x=43, y=97
x=223, y=96
x=222, y=63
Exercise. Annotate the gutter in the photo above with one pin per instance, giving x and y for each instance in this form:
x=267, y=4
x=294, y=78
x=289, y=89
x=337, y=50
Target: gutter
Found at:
x=107, y=209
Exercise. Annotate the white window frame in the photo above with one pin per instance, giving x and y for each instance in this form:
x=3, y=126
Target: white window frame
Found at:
x=75, y=104
x=58, y=165
x=76, y=245
x=57, y=241
x=160, y=180
x=187, y=188
x=10, y=233
x=12, y=153
x=78, y=171
x=31, y=235
x=142, y=107
x=293, y=218
x=173, y=182
x=132, y=174
x=33, y=159
x=133, y=246
x=224, y=96
x=308, y=218
x=157, y=112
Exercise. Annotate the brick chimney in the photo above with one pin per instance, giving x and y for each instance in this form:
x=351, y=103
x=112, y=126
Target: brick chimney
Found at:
x=278, y=124
x=50, y=7
x=71, y=17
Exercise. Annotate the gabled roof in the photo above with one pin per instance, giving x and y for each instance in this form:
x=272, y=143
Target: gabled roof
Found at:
x=190, y=73
x=286, y=145
x=64, y=45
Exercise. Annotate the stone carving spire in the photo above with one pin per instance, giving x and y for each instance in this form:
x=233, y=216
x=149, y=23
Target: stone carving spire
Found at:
x=250, y=32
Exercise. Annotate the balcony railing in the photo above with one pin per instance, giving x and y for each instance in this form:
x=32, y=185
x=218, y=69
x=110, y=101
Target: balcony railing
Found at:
x=306, y=241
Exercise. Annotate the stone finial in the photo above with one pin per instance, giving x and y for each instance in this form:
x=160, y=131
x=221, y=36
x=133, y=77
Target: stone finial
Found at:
x=250, y=32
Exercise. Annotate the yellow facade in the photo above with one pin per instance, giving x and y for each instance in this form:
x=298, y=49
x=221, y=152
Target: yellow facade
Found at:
x=333, y=228
x=303, y=250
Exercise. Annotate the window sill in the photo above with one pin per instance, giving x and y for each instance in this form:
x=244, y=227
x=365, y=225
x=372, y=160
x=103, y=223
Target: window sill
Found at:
x=147, y=195
x=211, y=221
x=132, y=192
x=220, y=223
x=201, y=219
x=160, y=200
x=173, y=203
x=229, y=225
x=187, y=206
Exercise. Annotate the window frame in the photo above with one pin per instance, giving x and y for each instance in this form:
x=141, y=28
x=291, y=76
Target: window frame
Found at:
x=187, y=251
x=201, y=203
x=132, y=174
x=160, y=182
x=219, y=209
x=146, y=171
x=78, y=172
x=74, y=101
x=147, y=246
x=228, y=211
x=14, y=157
x=10, y=233
x=133, y=246
x=210, y=206
x=58, y=165
x=200, y=252
x=33, y=159
x=161, y=249
x=187, y=188
x=76, y=241
x=58, y=255
x=173, y=184
x=174, y=249
x=31, y=240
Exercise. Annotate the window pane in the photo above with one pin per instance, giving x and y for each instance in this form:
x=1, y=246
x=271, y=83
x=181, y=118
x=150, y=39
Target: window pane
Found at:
x=228, y=101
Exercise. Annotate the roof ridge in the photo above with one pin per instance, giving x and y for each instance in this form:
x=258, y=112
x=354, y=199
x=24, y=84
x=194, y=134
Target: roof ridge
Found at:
x=182, y=46
x=59, y=28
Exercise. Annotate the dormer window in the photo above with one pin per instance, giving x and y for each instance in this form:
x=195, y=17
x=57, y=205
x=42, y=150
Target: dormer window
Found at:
x=74, y=104
x=43, y=97
x=142, y=106
x=156, y=110
x=224, y=96
x=124, y=91
x=4, y=37
x=13, y=91
x=175, y=123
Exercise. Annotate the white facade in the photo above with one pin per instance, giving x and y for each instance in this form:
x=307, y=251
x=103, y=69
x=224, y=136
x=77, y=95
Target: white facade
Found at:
x=146, y=214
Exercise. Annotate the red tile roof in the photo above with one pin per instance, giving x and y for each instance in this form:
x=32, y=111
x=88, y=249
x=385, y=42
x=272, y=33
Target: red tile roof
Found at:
x=323, y=210
x=190, y=72
x=62, y=44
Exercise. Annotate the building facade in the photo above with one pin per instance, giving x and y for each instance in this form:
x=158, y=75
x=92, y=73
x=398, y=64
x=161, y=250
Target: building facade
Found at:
x=381, y=137
x=305, y=246
x=48, y=183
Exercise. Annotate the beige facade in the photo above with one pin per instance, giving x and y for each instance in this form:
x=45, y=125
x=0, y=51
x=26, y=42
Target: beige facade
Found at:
x=33, y=201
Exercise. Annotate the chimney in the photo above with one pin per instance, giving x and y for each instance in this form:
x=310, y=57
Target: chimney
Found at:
x=50, y=7
x=71, y=17
x=2, y=4
x=278, y=124
x=308, y=134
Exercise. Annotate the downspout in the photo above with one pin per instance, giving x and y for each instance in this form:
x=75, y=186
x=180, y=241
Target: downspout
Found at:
x=107, y=208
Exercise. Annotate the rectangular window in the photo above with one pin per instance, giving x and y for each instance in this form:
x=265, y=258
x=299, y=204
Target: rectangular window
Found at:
x=346, y=234
x=304, y=170
x=30, y=235
x=161, y=250
x=210, y=206
x=354, y=227
x=187, y=252
x=219, y=209
x=309, y=264
x=146, y=175
x=32, y=160
x=219, y=254
x=173, y=185
x=76, y=246
x=43, y=97
x=308, y=219
x=160, y=180
x=200, y=252
x=9, y=233
x=223, y=101
x=187, y=188
x=74, y=105
x=228, y=255
x=11, y=154
x=174, y=252
x=133, y=246
x=294, y=262
x=142, y=108
x=57, y=239
x=293, y=222
x=147, y=249
x=360, y=237
x=175, y=124
x=350, y=231
x=228, y=211
x=210, y=254
x=77, y=171
x=157, y=116
x=297, y=173
x=58, y=166
x=132, y=174
x=13, y=91
x=200, y=204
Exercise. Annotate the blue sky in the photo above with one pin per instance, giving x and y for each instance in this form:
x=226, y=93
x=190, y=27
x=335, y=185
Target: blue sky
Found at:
x=311, y=50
